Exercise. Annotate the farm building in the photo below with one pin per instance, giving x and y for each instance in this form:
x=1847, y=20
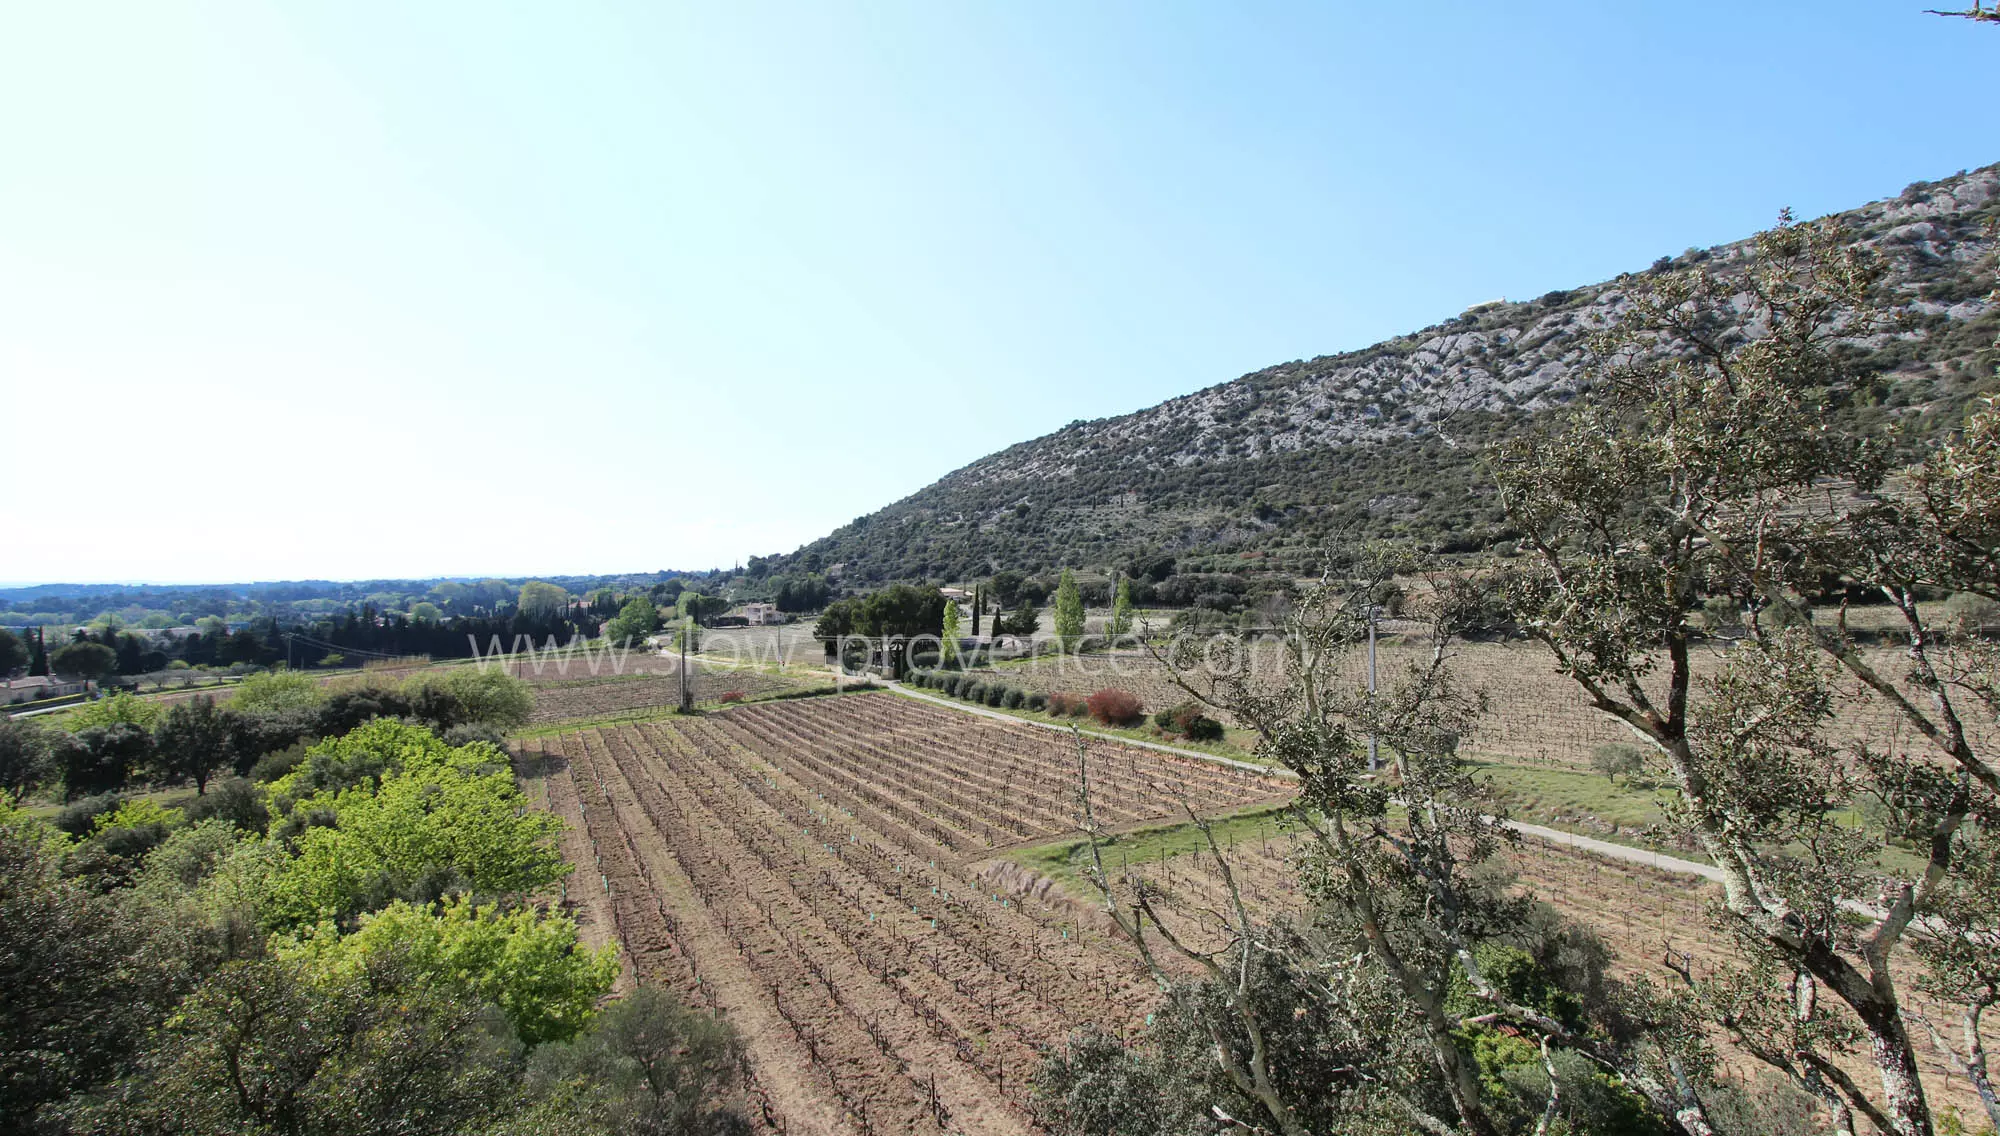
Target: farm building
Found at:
x=35, y=687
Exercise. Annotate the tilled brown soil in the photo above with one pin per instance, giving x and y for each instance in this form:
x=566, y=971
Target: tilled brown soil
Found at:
x=583, y=696
x=808, y=869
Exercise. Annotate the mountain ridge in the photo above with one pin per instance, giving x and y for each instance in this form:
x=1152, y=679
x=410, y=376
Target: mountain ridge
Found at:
x=1231, y=468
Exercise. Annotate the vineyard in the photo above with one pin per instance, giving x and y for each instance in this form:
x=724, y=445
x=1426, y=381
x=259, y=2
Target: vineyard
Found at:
x=1536, y=716
x=812, y=868
x=560, y=698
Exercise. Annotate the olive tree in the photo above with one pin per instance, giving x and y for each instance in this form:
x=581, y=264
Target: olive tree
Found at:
x=1407, y=951
x=1723, y=450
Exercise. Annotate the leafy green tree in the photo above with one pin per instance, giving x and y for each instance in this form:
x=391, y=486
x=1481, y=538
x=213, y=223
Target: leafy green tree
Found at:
x=468, y=694
x=14, y=656
x=101, y=759
x=451, y=594
x=276, y=691
x=647, y=1066
x=1614, y=759
x=1404, y=910
x=81, y=982
x=492, y=696
x=127, y=834
x=529, y=965
x=700, y=608
x=1024, y=621
x=192, y=741
x=24, y=757
x=542, y=600
x=1121, y=609
x=1005, y=587
x=121, y=708
x=1707, y=462
x=279, y=1047
x=799, y=594
x=634, y=621
x=441, y=820
x=838, y=619
x=1069, y=612
x=901, y=609
x=949, y=651
x=426, y=612
x=235, y=800
x=90, y=662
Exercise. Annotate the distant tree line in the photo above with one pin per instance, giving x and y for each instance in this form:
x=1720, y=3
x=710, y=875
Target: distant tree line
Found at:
x=122, y=742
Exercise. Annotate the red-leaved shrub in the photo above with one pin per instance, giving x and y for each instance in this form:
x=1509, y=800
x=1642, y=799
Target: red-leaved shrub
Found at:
x=732, y=696
x=1115, y=707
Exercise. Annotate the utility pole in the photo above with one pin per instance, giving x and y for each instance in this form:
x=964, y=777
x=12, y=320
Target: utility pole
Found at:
x=685, y=704
x=1374, y=759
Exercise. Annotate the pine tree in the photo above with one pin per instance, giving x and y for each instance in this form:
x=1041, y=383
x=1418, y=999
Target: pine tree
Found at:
x=1069, y=612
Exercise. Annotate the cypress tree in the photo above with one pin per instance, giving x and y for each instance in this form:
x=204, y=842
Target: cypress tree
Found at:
x=1069, y=612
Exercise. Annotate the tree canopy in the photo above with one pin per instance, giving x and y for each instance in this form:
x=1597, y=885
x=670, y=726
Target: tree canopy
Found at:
x=637, y=619
x=440, y=819
x=1069, y=611
x=1709, y=464
x=84, y=660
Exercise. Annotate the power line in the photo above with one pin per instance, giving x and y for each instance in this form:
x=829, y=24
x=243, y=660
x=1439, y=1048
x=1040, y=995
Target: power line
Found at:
x=308, y=640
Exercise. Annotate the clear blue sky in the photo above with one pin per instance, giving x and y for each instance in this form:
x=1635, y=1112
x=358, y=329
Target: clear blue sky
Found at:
x=346, y=290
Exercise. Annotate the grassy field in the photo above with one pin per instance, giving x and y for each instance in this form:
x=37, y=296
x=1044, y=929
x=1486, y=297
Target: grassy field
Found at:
x=1065, y=860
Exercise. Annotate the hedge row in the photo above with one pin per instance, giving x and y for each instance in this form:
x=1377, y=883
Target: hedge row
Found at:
x=974, y=689
x=1111, y=706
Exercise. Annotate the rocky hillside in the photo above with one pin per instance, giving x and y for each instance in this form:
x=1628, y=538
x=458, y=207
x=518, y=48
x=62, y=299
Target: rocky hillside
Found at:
x=1272, y=461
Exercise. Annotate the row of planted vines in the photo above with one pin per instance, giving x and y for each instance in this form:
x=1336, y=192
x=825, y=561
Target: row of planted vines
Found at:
x=575, y=696
x=1536, y=716
x=810, y=869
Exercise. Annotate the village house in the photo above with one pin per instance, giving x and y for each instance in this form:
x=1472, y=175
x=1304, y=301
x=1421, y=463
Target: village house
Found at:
x=759, y=614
